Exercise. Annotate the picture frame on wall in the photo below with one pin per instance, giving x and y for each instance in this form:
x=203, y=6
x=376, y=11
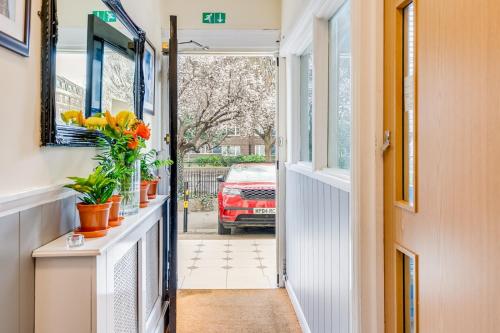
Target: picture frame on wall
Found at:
x=149, y=77
x=15, y=19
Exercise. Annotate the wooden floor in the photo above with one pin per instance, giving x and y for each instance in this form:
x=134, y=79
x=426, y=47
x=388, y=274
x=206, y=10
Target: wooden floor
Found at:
x=241, y=311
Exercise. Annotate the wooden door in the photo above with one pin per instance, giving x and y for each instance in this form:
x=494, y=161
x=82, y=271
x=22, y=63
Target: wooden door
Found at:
x=453, y=229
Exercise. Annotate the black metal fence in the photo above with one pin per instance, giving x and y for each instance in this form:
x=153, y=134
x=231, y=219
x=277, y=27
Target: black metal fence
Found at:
x=203, y=181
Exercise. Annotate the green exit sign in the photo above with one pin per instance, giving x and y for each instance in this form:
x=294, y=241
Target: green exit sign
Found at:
x=105, y=15
x=213, y=18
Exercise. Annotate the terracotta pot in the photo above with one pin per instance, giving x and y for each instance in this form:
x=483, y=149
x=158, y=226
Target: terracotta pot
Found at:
x=144, y=194
x=94, y=217
x=153, y=187
x=114, y=213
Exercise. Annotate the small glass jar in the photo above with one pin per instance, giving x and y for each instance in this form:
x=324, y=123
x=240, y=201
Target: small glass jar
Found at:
x=75, y=240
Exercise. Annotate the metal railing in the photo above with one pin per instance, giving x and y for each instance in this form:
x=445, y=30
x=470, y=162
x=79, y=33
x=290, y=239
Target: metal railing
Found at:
x=203, y=181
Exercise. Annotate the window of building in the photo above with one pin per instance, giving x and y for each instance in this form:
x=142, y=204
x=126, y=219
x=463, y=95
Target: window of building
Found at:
x=232, y=131
x=340, y=97
x=231, y=150
x=260, y=150
x=306, y=96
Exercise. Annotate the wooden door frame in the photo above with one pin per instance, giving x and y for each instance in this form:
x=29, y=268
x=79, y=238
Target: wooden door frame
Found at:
x=367, y=301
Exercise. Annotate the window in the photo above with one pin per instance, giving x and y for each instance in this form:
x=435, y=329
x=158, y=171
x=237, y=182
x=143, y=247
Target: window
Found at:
x=231, y=150
x=340, y=101
x=406, y=290
x=306, y=90
x=260, y=150
x=252, y=173
x=408, y=116
x=217, y=150
x=232, y=131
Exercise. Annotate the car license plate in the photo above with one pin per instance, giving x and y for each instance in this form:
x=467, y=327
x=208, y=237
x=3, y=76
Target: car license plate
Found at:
x=264, y=210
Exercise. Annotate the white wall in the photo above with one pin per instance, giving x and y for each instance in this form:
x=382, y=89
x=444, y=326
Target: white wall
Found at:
x=291, y=11
x=240, y=14
x=24, y=164
x=317, y=251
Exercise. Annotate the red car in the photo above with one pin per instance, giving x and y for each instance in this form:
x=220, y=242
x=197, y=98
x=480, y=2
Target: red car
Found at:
x=247, y=197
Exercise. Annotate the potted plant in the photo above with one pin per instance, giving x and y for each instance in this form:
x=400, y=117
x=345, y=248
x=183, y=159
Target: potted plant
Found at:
x=94, y=207
x=149, y=166
x=123, y=138
x=144, y=202
x=116, y=172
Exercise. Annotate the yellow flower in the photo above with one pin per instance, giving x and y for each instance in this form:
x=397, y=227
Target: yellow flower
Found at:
x=95, y=122
x=81, y=119
x=73, y=117
x=125, y=119
x=111, y=120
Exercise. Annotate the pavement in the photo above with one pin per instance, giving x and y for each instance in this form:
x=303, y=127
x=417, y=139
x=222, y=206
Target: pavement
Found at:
x=203, y=225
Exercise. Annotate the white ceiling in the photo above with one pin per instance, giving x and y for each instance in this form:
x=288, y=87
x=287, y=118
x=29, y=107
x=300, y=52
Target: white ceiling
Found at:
x=230, y=41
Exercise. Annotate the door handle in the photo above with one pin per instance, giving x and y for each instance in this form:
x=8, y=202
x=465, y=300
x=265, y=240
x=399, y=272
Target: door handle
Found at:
x=387, y=141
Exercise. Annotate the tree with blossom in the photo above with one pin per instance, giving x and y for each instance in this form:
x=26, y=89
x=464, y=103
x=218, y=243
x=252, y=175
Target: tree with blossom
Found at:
x=261, y=119
x=217, y=92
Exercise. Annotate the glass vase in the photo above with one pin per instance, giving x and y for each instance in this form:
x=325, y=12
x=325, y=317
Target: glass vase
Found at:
x=130, y=189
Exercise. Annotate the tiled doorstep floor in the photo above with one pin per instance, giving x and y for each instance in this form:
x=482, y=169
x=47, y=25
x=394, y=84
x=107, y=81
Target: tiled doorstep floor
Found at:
x=227, y=264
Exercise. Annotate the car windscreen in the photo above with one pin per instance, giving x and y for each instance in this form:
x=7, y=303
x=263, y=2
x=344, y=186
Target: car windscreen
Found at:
x=252, y=173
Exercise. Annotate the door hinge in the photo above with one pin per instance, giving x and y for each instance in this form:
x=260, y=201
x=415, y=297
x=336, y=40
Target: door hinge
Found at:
x=387, y=141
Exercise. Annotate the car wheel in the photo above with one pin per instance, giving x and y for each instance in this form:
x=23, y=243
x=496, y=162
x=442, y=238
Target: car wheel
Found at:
x=221, y=230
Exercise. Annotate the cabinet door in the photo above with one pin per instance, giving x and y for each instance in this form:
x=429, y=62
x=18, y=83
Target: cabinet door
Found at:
x=134, y=279
x=152, y=259
x=123, y=288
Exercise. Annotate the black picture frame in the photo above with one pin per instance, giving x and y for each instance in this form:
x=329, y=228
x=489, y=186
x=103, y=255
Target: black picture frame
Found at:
x=149, y=106
x=53, y=134
x=21, y=47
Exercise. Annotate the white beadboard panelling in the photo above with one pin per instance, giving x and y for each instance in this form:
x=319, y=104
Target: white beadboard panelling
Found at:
x=318, y=253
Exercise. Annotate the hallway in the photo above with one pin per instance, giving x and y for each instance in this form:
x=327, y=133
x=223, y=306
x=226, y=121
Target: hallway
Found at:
x=225, y=311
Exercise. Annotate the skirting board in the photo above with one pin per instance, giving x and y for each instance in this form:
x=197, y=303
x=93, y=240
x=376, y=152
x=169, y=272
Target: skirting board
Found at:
x=296, y=306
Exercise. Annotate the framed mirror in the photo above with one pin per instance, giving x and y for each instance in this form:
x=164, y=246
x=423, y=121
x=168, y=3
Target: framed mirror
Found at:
x=92, y=61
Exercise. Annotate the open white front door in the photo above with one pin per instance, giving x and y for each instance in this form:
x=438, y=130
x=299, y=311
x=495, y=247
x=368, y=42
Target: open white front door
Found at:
x=281, y=151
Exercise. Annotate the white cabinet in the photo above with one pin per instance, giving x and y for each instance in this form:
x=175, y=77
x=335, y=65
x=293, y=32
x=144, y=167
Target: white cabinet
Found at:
x=111, y=284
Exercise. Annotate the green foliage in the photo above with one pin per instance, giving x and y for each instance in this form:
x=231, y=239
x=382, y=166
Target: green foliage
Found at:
x=150, y=163
x=97, y=188
x=116, y=159
x=227, y=161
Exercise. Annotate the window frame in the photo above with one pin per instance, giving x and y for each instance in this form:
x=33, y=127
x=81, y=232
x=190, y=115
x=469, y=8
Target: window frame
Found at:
x=318, y=35
x=399, y=131
x=306, y=163
x=334, y=131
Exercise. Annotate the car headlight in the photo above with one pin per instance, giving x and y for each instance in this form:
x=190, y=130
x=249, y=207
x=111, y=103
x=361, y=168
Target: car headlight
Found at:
x=231, y=191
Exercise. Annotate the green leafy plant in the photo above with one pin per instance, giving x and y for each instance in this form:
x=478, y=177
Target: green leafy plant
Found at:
x=116, y=159
x=150, y=163
x=227, y=161
x=97, y=188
